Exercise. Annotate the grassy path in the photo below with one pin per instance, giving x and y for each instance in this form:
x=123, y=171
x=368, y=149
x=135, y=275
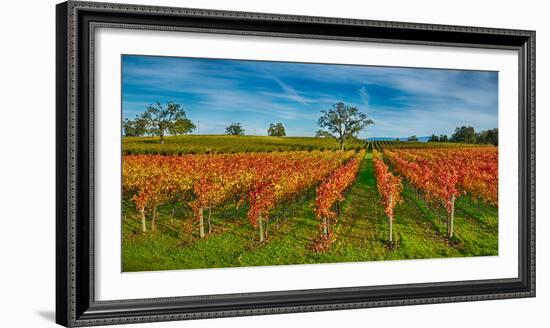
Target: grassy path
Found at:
x=361, y=233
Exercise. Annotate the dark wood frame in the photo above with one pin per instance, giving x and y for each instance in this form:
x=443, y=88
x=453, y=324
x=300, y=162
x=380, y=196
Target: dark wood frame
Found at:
x=76, y=23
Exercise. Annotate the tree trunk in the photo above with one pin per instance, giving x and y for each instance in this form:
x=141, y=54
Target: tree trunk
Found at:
x=154, y=221
x=451, y=218
x=201, y=223
x=325, y=226
x=261, y=228
x=342, y=145
x=209, y=222
x=173, y=215
x=161, y=134
x=143, y=225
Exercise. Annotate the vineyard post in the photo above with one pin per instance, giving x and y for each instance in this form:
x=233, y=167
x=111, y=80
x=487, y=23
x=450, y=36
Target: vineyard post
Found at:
x=325, y=226
x=451, y=217
x=390, y=222
x=201, y=223
x=154, y=221
x=261, y=228
x=209, y=222
x=143, y=225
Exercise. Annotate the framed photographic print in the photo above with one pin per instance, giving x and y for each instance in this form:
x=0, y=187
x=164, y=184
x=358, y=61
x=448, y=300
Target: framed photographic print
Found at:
x=214, y=163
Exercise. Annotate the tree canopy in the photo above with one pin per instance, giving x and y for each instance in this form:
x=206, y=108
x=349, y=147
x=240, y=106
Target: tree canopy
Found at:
x=467, y=134
x=464, y=134
x=488, y=137
x=323, y=134
x=158, y=120
x=276, y=130
x=136, y=127
x=343, y=122
x=234, y=129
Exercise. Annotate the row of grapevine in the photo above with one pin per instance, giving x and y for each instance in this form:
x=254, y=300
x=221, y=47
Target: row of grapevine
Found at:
x=331, y=192
x=262, y=180
x=389, y=188
x=444, y=174
x=381, y=144
x=477, y=168
x=396, y=144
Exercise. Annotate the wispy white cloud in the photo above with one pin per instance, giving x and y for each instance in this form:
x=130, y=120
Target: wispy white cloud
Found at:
x=293, y=94
x=364, y=95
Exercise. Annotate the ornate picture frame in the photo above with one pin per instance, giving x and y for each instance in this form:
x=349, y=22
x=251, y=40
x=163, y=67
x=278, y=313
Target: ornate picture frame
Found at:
x=77, y=23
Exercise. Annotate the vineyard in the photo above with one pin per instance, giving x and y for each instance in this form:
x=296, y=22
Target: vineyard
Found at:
x=442, y=175
x=236, y=163
x=201, y=144
x=396, y=144
x=287, y=207
x=203, y=182
x=213, y=144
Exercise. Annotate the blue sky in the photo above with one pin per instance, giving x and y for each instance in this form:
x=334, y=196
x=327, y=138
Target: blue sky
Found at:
x=401, y=101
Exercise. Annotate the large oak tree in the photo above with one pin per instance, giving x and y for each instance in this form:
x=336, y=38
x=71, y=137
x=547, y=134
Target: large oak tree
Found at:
x=170, y=118
x=234, y=129
x=343, y=122
x=276, y=130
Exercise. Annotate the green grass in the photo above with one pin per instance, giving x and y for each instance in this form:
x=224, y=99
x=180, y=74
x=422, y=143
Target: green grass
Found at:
x=228, y=144
x=361, y=233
